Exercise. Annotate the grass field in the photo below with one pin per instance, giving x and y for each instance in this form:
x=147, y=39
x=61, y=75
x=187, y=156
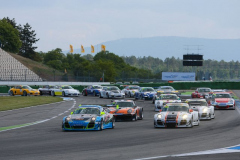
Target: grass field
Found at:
x=9, y=102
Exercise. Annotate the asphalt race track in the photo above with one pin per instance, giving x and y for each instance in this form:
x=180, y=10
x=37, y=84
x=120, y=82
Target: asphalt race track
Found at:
x=44, y=139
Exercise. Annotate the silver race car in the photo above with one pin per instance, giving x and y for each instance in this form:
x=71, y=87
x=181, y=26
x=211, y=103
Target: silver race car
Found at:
x=163, y=99
x=176, y=115
x=201, y=106
x=111, y=92
x=129, y=91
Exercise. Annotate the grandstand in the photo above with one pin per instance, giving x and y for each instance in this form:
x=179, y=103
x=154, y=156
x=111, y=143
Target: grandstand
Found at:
x=12, y=70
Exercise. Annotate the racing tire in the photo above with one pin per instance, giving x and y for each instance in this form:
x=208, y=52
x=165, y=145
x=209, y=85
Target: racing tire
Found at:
x=85, y=93
x=101, y=126
x=129, y=94
x=24, y=93
x=63, y=94
x=135, y=97
x=41, y=93
x=141, y=98
x=191, y=123
x=94, y=94
x=11, y=93
x=53, y=93
x=123, y=96
x=141, y=114
x=113, y=123
x=107, y=96
x=100, y=95
x=134, y=118
x=153, y=101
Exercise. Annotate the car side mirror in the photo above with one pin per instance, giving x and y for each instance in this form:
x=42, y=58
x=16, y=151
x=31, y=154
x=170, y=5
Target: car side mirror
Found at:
x=190, y=110
x=71, y=112
x=102, y=113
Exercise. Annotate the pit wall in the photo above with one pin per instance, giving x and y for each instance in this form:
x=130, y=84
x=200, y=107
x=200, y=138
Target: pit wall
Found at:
x=176, y=85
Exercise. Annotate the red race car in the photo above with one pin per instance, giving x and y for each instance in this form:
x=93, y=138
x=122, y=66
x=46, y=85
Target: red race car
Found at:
x=202, y=92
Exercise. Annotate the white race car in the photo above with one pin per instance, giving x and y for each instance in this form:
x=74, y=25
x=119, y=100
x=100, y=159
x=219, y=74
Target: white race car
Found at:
x=176, y=115
x=201, y=106
x=129, y=91
x=111, y=92
x=163, y=99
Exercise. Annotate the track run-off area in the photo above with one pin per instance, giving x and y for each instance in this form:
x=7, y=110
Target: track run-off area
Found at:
x=35, y=133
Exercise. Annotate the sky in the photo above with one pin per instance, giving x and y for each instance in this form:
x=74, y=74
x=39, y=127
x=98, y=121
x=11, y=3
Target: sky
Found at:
x=59, y=23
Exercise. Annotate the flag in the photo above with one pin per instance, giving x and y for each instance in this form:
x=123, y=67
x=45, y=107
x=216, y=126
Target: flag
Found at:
x=92, y=48
x=71, y=48
x=103, y=47
x=82, y=49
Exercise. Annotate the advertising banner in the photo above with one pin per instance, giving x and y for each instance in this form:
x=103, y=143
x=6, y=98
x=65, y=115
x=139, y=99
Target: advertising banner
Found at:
x=178, y=76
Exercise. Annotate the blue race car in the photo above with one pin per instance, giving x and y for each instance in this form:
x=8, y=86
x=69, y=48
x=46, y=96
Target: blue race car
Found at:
x=146, y=93
x=88, y=117
x=92, y=90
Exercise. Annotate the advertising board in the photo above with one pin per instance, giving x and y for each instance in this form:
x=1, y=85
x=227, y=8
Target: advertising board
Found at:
x=178, y=76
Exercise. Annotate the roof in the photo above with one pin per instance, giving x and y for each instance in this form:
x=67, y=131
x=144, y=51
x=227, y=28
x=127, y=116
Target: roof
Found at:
x=89, y=106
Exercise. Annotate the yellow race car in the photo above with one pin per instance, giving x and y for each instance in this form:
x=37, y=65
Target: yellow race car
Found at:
x=23, y=90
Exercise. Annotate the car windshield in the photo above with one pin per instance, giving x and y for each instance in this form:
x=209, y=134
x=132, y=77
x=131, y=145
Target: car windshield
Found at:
x=222, y=96
x=166, y=88
x=177, y=108
x=125, y=104
x=197, y=103
x=27, y=87
x=133, y=88
x=67, y=87
x=87, y=111
x=204, y=90
x=97, y=87
x=148, y=90
x=169, y=97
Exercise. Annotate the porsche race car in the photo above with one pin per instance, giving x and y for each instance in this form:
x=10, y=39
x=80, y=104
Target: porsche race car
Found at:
x=145, y=93
x=176, y=115
x=64, y=91
x=163, y=99
x=23, y=90
x=88, y=117
x=92, y=90
x=47, y=89
x=222, y=100
x=130, y=91
x=201, y=106
x=202, y=92
x=111, y=92
x=167, y=90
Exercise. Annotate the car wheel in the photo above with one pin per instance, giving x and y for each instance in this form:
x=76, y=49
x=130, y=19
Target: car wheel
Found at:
x=153, y=101
x=94, y=94
x=134, y=117
x=63, y=94
x=123, y=96
x=129, y=94
x=107, y=95
x=24, y=93
x=113, y=123
x=141, y=114
x=41, y=93
x=53, y=93
x=101, y=126
x=85, y=93
x=11, y=93
x=191, y=123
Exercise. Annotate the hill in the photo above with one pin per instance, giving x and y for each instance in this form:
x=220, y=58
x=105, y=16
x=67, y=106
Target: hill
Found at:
x=163, y=47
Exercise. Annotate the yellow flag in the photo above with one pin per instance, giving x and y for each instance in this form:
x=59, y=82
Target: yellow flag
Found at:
x=71, y=48
x=92, y=48
x=82, y=49
x=103, y=47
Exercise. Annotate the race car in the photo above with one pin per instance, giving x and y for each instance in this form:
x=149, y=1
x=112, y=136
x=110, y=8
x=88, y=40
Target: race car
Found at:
x=47, y=89
x=167, y=90
x=23, y=90
x=201, y=106
x=163, y=99
x=176, y=115
x=222, y=100
x=92, y=90
x=129, y=91
x=64, y=91
x=145, y=93
x=202, y=92
x=111, y=92
x=88, y=117
x=125, y=109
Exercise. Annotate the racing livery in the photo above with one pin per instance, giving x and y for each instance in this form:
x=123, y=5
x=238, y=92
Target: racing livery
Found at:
x=23, y=90
x=201, y=106
x=88, y=117
x=202, y=92
x=167, y=90
x=125, y=109
x=129, y=91
x=64, y=91
x=222, y=100
x=145, y=93
x=92, y=90
x=111, y=92
x=176, y=115
x=163, y=99
x=47, y=89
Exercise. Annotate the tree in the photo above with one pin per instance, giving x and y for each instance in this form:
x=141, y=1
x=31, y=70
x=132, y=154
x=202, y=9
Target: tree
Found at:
x=9, y=37
x=28, y=38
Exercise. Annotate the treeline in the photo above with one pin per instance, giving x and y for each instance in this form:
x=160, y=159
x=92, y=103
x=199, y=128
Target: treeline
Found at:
x=218, y=70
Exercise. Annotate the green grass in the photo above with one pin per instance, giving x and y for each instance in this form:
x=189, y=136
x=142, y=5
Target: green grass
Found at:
x=186, y=93
x=15, y=102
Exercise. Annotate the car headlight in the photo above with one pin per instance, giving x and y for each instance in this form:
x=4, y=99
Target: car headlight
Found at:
x=129, y=111
x=93, y=118
x=68, y=118
x=184, y=116
x=231, y=101
x=205, y=110
x=159, y=116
